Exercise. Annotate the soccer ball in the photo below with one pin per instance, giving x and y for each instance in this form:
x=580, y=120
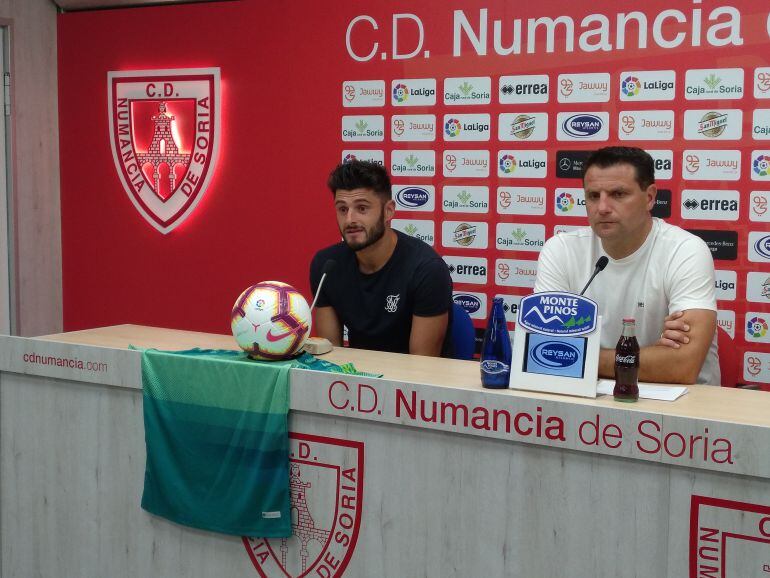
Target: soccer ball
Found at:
x=271, y=320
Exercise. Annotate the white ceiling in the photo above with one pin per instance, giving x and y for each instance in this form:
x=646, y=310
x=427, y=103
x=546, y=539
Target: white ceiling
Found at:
x=68, y=5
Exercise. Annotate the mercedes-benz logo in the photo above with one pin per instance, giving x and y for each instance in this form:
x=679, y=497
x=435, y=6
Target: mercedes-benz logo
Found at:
x=565, y=164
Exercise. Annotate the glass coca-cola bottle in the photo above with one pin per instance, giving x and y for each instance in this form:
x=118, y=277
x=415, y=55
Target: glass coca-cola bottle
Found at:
x=496, y=349
x=627, y=363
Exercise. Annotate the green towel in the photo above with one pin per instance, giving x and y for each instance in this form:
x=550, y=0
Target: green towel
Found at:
x=217, y=439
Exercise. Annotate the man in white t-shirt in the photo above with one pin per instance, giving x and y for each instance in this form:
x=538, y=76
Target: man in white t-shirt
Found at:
x=657, y=273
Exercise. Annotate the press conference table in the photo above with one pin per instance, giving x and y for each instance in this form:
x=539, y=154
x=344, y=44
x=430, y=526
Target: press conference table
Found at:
x=418, y=473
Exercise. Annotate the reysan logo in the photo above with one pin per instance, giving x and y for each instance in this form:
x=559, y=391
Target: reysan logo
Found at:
x=164, y=134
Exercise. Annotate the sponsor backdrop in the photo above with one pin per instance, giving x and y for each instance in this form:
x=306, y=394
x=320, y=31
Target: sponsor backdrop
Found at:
x=483, y=115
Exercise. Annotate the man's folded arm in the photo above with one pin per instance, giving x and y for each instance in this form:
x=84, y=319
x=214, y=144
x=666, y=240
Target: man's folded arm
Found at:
x=427, y=335
x=663, y=364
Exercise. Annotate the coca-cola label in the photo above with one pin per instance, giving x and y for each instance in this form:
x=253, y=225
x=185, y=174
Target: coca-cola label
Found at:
x=555, y=313
x=495, y=367
x=626, y=359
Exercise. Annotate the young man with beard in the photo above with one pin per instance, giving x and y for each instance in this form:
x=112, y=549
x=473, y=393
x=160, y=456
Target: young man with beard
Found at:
x=657, y=273
x=393, y=292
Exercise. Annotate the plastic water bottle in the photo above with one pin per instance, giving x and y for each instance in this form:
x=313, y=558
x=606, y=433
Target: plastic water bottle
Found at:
x=496, y=349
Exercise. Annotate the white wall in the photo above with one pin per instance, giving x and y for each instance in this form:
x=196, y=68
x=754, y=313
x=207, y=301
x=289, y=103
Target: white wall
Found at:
x=35, y=203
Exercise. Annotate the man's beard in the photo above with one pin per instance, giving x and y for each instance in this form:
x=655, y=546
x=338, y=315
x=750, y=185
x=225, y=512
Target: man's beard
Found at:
x=372, y=235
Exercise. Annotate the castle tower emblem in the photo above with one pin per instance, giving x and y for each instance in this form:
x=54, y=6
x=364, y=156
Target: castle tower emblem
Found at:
x=302, y=523
x=163, y=149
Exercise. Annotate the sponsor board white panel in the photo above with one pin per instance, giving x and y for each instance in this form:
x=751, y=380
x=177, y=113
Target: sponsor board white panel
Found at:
x=757, y=327
x=713, y=84
x=413, y=163
x=363, y=155
x=759, y=247
x=465, y=127
x=465, y=199
x=519, y=237
x=636, y=86
x=756, y=367
x=464, y=235
x=468, y=90
x=515, y=273
x=466, y=163
x=362, y=93
x=725, y=282
x=711, y=165
x=413, y=92
x=569, y=202
x=715, y=124
x=525, y=126
x=413, y=127
x=759, y=205
x=521, y=200
x=762, y=82
x=760, y=124
x=591, y=87
x=472, y=270
x=524, y=89
x=522, y=164
x=760, y=165
x=370, y=127
x=583, y=126
x=414, y=197
x=758, y=287
x=420, y=229
x=664, y=164
x=713, y=205
x=646, y=125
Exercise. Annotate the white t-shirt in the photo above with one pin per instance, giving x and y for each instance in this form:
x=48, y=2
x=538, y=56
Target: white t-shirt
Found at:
x=672, y=271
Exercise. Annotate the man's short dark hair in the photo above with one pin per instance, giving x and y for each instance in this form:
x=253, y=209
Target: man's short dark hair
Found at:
x=636, y=157
x=360, y=175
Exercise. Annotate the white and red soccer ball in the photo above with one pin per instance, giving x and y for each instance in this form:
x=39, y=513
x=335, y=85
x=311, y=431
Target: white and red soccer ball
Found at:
x=271, y=320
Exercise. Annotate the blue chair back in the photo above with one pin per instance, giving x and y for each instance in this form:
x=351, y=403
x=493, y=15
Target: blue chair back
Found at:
x=462, y=333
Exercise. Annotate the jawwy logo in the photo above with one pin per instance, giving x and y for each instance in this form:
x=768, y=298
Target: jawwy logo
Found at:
x=762, y=246
x=554, y=313
x=556, y=354
x=326, y=479
x=164, y=133
x=630, y=86
x=582, y=125
x=412, y=197
x=400, y=92
x=470, y=303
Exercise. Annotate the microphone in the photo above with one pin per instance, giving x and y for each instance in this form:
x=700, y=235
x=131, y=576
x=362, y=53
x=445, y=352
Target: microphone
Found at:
x=327, y=268
x=601, y=263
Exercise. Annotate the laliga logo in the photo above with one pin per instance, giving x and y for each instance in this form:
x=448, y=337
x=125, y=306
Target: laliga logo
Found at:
x=349, y=157
x=565, y=202
x=756, y=327
x=400, y=93
x=503, y=271
x=760, y=205
x=450, y=162
x=164, y=134
x=692, y=163
x=630, y=86
x=398, y=127
x=350, y=92
x=452, y=127
x=507, y=164
x=504, y=199
x=566, y=86
x=753, y=366
x=761, y=165
x=763, y=81
x=629, y=124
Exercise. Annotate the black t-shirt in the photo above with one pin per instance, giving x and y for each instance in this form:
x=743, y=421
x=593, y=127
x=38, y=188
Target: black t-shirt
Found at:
x=377, y=309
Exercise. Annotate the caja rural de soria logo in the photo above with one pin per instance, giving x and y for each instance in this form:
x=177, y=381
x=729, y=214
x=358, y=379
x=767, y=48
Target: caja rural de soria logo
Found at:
x=164, y=134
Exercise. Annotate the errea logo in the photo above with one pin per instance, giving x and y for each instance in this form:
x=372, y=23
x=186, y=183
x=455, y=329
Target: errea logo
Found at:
x=714, y=205
x=471, y=270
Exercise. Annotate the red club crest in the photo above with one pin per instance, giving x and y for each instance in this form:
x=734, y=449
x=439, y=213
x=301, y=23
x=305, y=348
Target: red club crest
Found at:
x=326, y=482
x=164, y=132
